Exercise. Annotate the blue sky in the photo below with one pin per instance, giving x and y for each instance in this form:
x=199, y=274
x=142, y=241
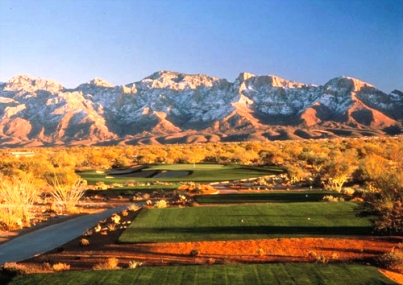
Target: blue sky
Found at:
x=310, y=41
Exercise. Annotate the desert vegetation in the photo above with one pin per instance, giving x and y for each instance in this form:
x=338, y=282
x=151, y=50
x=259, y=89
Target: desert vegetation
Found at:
x=18, y=197
x=320, y=189
x=371, y=164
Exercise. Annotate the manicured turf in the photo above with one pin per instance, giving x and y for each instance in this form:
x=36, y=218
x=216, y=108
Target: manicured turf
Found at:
x=302, y=273
x=268, y=197
x=254, y=221
x=130, y=190
x=197, y=173
x=206, y=166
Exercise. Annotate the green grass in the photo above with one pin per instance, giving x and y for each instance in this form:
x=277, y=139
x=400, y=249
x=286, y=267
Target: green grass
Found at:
x=182, y=167
x=281, y=273
x=256, y=221
x=133, y=189
x=198, y=173
x=268, y=197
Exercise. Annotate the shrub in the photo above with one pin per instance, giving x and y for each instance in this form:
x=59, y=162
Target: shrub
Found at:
x=84, y=242
x=160, y=204
x=97, y=228
x=260, y=252
x=111, y=263
x=130, y=183
x=321, y=258
x=391, y=259
x=115, y=218
x=111, y=227
x=69, y=195
x=19, y=196
x=331, y=198
x=133, y=264
x=194, y=252
x=312, y=254
x=384, y=198
x=46, y=266
x=61, y=267
x=101, y=185
x=348, y=191
x=133, y=208
x=13, y=269
x=88, y=232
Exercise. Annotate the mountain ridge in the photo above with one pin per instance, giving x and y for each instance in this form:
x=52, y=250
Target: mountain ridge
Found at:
x=166, y=104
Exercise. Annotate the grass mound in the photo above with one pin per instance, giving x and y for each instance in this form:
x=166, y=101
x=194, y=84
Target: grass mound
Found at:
x=258, y=221
x=180, y=172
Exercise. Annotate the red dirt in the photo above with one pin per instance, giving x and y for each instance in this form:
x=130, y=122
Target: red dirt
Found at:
x=102, y=247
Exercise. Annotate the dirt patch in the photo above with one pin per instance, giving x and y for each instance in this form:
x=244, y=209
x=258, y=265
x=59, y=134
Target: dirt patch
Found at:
x=395, y=276
x=102, y=246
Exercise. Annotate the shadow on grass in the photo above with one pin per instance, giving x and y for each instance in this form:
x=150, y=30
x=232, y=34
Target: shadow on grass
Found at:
x=284, y=197
x=237, y=232
x=5, y=279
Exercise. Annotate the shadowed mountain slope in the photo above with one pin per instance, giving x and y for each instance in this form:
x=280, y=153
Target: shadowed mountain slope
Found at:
x=172, y=107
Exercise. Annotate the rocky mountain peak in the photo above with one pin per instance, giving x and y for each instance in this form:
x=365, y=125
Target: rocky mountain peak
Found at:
x=100, y=82
x=161, y=73
x=177, y=80
x=347, y=83
x=284, y=83
x=29, y=83
x=397, y=92
x=93, y=85
x=267, y=80
x=243, y=76
x=170, y=104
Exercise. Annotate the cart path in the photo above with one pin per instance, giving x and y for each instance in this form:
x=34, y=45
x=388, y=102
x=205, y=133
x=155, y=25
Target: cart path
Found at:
x=50, y=237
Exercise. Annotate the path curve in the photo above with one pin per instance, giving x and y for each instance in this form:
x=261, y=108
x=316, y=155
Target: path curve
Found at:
x=50, y=237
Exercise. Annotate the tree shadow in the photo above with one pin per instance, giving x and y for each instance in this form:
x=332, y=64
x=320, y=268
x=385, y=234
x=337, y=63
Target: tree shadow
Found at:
x=241, y=232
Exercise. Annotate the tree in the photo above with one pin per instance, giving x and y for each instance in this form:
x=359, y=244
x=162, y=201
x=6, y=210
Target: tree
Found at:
x=372, y=168
x=386, y=202
x=271, y=157
x=340, y=168
x=295, y=173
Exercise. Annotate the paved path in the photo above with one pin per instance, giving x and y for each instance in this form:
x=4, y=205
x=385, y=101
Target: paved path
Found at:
x=48, y=238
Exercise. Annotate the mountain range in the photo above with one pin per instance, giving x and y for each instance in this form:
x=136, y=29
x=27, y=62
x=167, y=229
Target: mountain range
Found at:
x=171, y=107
